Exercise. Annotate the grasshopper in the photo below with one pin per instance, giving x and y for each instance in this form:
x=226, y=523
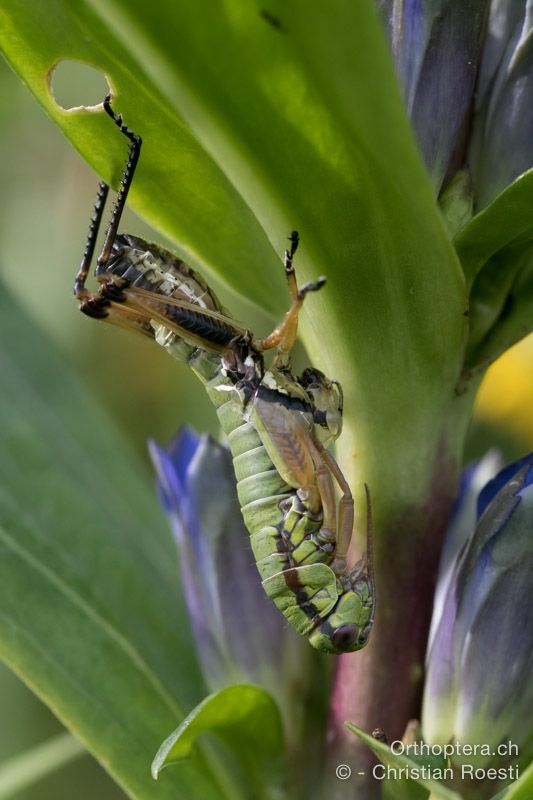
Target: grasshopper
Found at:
x=278, y=426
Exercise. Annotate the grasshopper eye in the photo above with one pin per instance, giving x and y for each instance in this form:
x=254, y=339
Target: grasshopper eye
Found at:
x=311, y=376
x=345, y=637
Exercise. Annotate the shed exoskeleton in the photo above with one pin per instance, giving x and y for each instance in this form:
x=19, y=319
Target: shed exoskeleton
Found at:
x=278, y=426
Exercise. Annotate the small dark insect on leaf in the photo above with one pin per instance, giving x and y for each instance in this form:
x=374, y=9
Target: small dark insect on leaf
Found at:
x=380, y=735
x=275, y=22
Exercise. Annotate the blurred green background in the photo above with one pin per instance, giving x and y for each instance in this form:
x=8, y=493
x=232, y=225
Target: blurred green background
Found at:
x=46, y=197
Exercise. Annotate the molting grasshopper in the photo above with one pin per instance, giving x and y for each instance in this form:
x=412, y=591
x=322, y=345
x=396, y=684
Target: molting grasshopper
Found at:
x=278, y=426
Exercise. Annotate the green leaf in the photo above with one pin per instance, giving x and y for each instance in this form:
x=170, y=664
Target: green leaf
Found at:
x=521, y=789
x=494, y=249
x=247, y=720
x=506, y=221
x=410, y=766
x=491, y=289
x=403, y=789
x=178, y=187
x=90, y=614
x=288, y=112
x=301, y=138
x=26, y=769
x=514, y=291
x=312, y=144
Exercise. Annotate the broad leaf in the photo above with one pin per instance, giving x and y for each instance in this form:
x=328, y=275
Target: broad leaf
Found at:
x=514, y=320
x=247, y=720
x=312, y=144
x=91, y=617
x=505, y=221
x=494, y=249
x=491, y=291
x=177, y=186
x=292, y=134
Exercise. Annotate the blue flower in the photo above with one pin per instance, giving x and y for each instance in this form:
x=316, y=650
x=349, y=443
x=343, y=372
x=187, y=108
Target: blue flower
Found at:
x=479, y=684
x=466, y=69
x=239, y=634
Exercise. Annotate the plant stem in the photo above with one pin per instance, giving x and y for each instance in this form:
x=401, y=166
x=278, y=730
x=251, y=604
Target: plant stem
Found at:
x=381, y=686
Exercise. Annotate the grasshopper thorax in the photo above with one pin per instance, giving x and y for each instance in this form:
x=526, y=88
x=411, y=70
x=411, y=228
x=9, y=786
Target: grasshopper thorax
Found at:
x=244, y=365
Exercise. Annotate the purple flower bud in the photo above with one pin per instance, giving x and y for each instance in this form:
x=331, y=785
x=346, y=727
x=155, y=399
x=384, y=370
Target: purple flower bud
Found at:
x=437, y=46
x=479, y=684
x=502, y=141
x=240, y=636
x=466, y=69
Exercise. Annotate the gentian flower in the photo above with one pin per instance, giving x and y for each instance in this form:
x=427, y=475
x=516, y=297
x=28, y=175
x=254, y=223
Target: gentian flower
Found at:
x=437, y=49
x=240, y=636
x=466, y=73
x=500, y=142
x=479, y=684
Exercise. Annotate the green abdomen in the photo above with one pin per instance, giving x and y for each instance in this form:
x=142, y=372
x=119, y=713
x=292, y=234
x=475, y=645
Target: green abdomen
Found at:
x=259, y=485
x=284, y=535
x=282, y=531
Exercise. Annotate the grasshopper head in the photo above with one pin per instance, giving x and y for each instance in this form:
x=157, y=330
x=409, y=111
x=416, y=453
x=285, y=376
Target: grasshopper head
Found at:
x=348, y=625
x=326, y=399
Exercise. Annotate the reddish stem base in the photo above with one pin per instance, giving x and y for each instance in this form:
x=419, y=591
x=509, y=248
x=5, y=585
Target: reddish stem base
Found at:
x=381, y=686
